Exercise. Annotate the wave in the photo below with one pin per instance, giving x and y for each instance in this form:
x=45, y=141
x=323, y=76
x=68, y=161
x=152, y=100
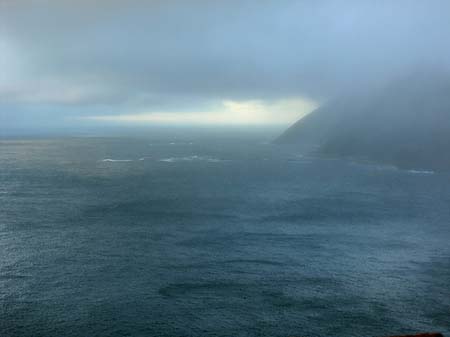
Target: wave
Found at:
x=386, y=167
x=254, y=261
x=181, y=143
x=420, y=172
x=299, y=159
x=191, y=158
x=171, y=143
x=217, y=287
x=294, y=161
x=109, y=160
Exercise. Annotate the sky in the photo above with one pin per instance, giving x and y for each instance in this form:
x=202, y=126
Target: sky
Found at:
x=77, y=63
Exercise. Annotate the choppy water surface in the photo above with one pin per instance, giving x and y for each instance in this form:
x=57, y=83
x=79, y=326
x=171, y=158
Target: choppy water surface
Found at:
x=195, y=237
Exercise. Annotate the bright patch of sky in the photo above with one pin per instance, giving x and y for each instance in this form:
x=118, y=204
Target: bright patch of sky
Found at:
x=255, y=112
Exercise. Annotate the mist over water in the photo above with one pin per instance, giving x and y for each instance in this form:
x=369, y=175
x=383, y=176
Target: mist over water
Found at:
x=142, y=192
x=216, y=236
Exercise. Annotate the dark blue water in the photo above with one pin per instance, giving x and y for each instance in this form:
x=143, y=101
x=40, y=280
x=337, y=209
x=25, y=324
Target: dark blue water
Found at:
x=207, y=237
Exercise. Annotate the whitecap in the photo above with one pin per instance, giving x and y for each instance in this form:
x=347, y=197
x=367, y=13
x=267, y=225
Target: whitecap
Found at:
x=181, y=143
x=109, y=160
x=168, y=160
x=191, y=158
x=386, y=167
x=420, y=172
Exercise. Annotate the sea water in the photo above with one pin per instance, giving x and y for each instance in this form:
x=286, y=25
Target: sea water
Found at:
x=140, y=236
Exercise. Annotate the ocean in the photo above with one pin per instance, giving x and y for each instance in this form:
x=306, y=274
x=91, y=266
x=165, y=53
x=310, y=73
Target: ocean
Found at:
x=216, y=236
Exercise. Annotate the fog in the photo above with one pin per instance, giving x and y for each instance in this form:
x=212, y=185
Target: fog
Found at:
x=79, y=64
x=224, y=168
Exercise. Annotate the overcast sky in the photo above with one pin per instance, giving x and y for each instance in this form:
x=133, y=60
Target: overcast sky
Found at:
x=65, y=62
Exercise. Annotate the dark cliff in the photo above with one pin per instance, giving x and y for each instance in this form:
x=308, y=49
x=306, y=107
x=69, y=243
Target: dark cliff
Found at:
x=406, y=124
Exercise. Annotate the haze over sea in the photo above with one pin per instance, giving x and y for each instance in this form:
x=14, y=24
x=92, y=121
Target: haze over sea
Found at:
x=216, y=236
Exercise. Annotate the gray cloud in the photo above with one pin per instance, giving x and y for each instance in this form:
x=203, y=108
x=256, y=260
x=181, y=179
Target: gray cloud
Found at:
x=120, y=55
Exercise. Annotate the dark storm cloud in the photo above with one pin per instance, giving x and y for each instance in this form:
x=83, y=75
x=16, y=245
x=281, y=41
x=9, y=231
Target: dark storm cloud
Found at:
x=164, y=54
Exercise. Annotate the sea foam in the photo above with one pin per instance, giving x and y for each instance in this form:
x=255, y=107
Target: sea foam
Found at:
x=420, y=172
x=109, y=160
x=191, y=158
